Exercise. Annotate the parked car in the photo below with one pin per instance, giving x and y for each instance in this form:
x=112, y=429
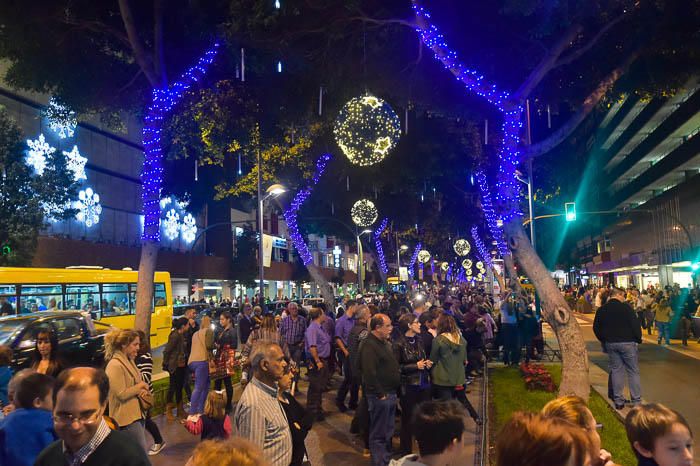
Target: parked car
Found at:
x=308, y=303
x=80, y=339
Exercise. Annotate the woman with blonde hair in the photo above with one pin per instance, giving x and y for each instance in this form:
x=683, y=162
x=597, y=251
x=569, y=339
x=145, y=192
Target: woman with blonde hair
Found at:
x=125, y=383
x=233, y=452
x=200, y=355
x=573, y=409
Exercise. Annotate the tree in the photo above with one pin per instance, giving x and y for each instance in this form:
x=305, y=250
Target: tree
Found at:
x=556, y=311
x=27, y=198
x=245, y=264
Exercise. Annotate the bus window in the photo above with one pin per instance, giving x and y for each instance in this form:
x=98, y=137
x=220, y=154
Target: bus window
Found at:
x=8, y=300
x=132, y=297
x=82, y=297
x=115, y=299
x=34, y=298
x=159, y=295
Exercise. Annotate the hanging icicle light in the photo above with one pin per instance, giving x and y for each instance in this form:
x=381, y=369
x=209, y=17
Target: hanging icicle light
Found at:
x=366, y=129
x=278, y=5
x=462, y=247
x=364, y=213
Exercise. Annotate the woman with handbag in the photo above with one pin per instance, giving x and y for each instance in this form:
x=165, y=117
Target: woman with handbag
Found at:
x=226, y=343
x=144, y=362
x=201, y=363
x=129, y=395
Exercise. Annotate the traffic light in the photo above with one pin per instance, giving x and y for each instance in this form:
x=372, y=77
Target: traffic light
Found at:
x=6, y=250
x=570, y=209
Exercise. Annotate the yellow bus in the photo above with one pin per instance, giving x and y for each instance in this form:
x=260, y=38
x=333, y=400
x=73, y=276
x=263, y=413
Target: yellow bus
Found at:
x=109, y=295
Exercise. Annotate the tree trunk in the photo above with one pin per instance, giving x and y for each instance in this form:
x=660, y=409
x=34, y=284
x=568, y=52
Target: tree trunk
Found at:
x=144, y=288
x=323, y=285
x=509, y=271
x=556, y=312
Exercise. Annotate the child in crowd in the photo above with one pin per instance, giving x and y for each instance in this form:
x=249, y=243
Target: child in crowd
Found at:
x=27, y=430
x=214, y=423
x=659, y=436
x=5, y=375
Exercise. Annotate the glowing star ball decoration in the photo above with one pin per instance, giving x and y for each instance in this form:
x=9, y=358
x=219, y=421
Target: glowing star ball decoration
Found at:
x=462, y=247
x=444, y=266
x=423, y=256
x=366, y=129
x=364, y=213
x=467, y=264
x=480, y=265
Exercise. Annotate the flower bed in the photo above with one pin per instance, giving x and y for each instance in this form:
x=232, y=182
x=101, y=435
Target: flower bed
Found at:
x=537, y=377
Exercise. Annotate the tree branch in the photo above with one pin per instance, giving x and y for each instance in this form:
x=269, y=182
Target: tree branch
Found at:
x=588, y=105
x=137, y=46
x=99, y=27
x=130, y=83
x=159, y=46
x=578, y=52
x=547, y=63
x=384, y=22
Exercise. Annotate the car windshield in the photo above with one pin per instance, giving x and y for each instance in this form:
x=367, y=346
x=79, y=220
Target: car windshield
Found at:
x=8, y=329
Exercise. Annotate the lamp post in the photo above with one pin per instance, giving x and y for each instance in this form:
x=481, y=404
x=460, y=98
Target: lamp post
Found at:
x=531, y=206
x=360, y=265
x=273, y=191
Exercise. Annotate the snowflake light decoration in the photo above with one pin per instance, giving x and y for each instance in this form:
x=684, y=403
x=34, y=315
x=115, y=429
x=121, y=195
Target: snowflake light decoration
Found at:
x=76, y=163
x=188, y=228
x=467, y=263
x=171, y=224
x=62, y=119
x=39, y=149
x=462, y=247
x=423, y=256
x=366, y=129
x=89, y=208
x=364, y=213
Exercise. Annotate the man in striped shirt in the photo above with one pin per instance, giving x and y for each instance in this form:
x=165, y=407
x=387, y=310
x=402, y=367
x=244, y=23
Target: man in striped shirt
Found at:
x=259, y=417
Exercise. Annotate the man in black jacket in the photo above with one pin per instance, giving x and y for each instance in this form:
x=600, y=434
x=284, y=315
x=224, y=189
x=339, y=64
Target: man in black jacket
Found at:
x=80, y=399
x=618, y=329
x=380, y=380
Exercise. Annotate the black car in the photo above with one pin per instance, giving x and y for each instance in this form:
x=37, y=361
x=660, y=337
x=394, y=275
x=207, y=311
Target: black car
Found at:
x=80, y=340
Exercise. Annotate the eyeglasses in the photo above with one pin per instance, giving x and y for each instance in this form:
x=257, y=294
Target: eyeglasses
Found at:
x=84, y=419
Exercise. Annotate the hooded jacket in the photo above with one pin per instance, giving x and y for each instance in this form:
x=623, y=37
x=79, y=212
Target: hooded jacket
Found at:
x=449, y=352
x=24, y=433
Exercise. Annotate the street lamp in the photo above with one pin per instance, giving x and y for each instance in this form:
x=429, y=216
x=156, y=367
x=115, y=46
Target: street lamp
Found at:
x=360, y=265
x=272, y=192
x=528, y=182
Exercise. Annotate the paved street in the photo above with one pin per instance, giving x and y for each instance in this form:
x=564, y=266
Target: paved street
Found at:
x=668, y=376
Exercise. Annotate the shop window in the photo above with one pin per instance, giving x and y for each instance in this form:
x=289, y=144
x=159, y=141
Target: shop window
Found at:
x=35, y=298
x=8, y=299
x=82, y=297
x=67, y=329
x=115, y=300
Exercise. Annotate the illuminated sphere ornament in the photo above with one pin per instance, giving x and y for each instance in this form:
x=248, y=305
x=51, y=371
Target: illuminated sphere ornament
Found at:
x=480, y=265
x=366, y=129
x=469, y=272
x=364, y=213
x=462, y=247
x=467, y=264
x=444, y=266
x=423, y=256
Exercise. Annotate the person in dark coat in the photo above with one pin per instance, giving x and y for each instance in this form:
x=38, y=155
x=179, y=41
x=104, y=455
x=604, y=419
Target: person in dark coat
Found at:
x=226, y=341
x=300, y=420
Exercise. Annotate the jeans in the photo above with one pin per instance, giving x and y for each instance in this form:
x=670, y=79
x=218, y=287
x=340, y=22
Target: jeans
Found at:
x=381, y=427
x=229, y=391
x=511, y=345
x=664, y=331
x=317, y=383
x=177, y=382
x=137, y=431
x=201, y=386
x=152, y=429
x=686, y=325
x=443, y=393
x=624, y=359
x=411, y=396
x=348, y=385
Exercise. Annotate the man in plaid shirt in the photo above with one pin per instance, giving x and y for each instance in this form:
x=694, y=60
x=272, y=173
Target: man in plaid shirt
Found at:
x=292, y=329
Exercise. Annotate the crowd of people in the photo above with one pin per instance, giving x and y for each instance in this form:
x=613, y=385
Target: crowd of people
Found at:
x=394, y=358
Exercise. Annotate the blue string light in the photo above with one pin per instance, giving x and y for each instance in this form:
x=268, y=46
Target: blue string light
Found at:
x=509, y=155
x=490, y=214
x=292, y=212
x=378, y=245
x=484, y=254
x=164, y=100
x=414, y=257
